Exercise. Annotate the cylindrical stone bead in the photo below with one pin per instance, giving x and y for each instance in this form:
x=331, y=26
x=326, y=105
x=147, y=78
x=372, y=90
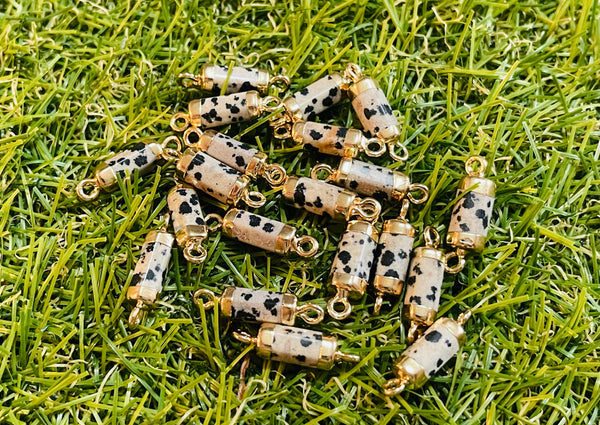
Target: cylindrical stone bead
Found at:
x=261, y=232
x=373, y=109
x=229, y=151
x=435, y=347
x=290, y=345
x=140, y=156
x=317, y=197
x=328, y=139
x=315, y=98
x=424, y=285
x=393, y=256
x=253, y=305
x=186, y=214
x=371, y=180
x=354, y=257
x=240, y=79
x=471, y=215
x=223, y=110
x=151, y=267
x=209, y=175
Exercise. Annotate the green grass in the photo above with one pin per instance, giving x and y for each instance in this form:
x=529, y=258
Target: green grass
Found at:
x=515, y=81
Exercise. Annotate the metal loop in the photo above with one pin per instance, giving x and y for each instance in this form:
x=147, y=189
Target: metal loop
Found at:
x=353, y=72
x=137, y=314
x=169, y=153
x=392, y=150
x=464, y=317
x=417, y=187
x=338, y=355
x=380, y=143
x=281, y=82
x=414, y=332
x=244, y=337
x=217, y=225
x=275, y=174
x=282, y=128
x=298, y=243
x=460, y=256
x=404, y=209
x=314, y=172
x=378, y=303
x=206, y=294
x=475, y=166
x=188, y=80
x=88, y=196
x=304, y=310
x=341, y=298
x=368, y=209
x=270, y=103
x=432, y=237
x=187, y=134
x=394, y=386
x=254, y=199
x=180, y=116
x=194, y=252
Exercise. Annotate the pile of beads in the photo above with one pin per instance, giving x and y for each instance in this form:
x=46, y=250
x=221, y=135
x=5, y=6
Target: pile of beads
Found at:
x=225, y=169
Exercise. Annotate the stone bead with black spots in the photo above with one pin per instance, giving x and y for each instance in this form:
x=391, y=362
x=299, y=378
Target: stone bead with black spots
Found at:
x=151, y=267
x=374, y=111
x=371, y=180
x=256, y=230
x=240, y=79
x=472, y=214
x=211, y=176
x=316, y=196
x=140, y=156
x=434, y=348
x=296, y=346
x=231, y=152
x=186, y=213
x=319, y=96
x=393, y=256
x=223, y=110
x=424, y=282
x=254, y=305
x=324, y=138
x=355, y=255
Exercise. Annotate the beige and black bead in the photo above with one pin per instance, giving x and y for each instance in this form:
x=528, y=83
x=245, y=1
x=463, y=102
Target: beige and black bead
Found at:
x=372, y=180
x=259, y=305
x=223, y=110
x=266, y=233
x=214, y=78
x=472, y=213
x=141, y=157
x=296, y=346
x=392, y=258
x=188, y=221
x=426, y=356
x=373, y=109
x=307, y=103
x=352, y=265
x=216, y=179
x=328, y=200
x=238, y=155
x=328, y=139
x=150, y=271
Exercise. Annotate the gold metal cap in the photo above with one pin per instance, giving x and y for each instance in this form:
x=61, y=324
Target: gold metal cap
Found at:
x=292, y=108
x=253, y=102
x=401, y=185
x=284, y=240
x=466, y=240
x=398, y=227
x=454, y=327
x=483, y=186
x=226, y=300
x=388, y=285
x=289, y=303
x=142, y=293
x=353, y=284
x=362, y=85
x=408, y=368
x=327, y=355
x=163, y=238
x=184, y=163
x=364, y=227
x=428, y=252
x=424, y=316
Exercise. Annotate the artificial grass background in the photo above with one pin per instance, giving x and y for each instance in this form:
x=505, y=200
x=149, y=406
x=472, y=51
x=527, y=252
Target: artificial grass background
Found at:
x=514, y=81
